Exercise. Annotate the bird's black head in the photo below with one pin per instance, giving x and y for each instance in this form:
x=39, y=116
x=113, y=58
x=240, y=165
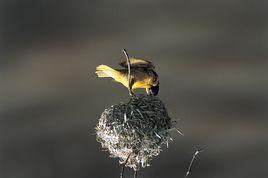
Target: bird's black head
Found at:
x=154, y=90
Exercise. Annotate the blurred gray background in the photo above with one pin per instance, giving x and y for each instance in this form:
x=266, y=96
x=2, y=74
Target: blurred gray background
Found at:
x=211, y=57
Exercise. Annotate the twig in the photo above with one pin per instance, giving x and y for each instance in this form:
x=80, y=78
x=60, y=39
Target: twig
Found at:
x=123, y=167
x=135, y=174
x=192, y=161
x=128, y=66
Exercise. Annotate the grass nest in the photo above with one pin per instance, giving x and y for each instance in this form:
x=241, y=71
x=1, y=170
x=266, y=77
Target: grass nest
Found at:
x=135, y=131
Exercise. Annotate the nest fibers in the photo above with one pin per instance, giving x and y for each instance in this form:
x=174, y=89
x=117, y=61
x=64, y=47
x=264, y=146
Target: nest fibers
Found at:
x=136, y=129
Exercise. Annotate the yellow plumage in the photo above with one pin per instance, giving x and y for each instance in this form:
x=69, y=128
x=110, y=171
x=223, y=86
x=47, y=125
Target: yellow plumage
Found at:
x=142, y=75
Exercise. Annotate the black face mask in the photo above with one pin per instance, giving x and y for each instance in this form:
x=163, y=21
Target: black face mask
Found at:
x=154, y=90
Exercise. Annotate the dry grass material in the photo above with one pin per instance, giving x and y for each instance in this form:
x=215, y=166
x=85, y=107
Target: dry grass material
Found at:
x=135, y=130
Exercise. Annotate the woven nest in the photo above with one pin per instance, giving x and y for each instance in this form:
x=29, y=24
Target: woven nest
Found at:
x=136, y=129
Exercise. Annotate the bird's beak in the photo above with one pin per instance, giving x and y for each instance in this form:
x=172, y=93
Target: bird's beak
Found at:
x=154, y=90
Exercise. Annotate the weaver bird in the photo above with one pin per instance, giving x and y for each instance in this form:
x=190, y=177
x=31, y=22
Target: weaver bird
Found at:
x=142, y=75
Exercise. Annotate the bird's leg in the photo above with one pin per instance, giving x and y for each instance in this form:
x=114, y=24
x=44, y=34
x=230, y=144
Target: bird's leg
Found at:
x=123, y=167
x=148, y=91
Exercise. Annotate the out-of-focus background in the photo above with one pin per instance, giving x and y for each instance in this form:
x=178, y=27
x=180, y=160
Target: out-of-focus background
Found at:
x=211, y=57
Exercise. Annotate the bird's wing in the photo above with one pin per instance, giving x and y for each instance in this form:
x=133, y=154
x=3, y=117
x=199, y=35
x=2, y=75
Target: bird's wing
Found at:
x=137, y=63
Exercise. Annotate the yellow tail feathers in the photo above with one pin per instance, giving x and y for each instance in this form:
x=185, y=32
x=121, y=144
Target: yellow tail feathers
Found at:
x=106, y=71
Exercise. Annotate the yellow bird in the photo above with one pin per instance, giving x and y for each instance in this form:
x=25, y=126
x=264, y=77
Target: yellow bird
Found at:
x=142, y=75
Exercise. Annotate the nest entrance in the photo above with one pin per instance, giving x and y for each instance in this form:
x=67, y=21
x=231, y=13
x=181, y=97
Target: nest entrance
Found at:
x=138, y=128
